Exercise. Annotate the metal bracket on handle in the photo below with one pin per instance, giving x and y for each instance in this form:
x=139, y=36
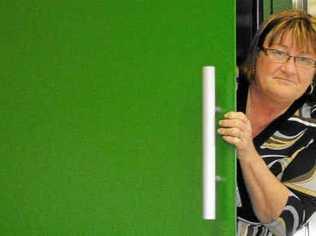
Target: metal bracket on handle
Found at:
x=209, y=175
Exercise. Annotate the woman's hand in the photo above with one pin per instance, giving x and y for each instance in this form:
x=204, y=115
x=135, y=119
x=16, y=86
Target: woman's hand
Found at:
x=235, y=129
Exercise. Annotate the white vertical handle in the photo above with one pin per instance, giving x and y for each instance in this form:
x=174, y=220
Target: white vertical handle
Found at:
x=209, y=183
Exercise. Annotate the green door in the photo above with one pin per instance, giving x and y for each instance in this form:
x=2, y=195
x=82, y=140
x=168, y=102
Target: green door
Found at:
x=101, y=116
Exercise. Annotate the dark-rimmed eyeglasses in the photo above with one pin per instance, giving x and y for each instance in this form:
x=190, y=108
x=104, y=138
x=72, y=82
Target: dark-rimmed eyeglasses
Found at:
x=281, y=56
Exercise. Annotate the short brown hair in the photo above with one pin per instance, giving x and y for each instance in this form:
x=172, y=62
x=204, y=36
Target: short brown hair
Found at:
x=300, y=24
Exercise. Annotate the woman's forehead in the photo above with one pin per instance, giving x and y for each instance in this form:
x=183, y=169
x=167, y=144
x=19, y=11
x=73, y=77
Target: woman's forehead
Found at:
x=289, y=39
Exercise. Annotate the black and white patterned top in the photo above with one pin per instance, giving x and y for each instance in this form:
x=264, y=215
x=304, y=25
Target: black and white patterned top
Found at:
x=288, y=147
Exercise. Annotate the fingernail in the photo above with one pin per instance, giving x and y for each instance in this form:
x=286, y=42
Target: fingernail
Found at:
x=227, y=115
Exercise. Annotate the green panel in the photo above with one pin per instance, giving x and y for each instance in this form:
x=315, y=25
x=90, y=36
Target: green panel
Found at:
x=101, y=116
x=277, y=5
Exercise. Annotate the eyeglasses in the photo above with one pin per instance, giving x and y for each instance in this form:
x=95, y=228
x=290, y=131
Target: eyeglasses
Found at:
x=280, y=56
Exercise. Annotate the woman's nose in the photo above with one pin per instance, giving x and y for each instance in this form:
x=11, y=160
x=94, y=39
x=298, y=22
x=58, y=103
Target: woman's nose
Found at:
x=290, y=65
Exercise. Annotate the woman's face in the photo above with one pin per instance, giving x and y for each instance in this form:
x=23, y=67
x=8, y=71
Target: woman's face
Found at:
x=283, y=82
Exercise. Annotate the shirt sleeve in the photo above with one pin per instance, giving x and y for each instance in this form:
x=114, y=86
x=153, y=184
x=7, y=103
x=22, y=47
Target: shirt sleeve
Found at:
x=300, y=178
x=297, y=211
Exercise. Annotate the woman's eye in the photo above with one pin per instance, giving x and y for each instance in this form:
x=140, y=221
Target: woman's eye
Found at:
x=305, y=60
x=279, y=53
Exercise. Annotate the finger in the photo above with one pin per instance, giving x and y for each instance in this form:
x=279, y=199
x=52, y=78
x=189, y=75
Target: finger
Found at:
x=233, y=123
x=236, y=115
x=233, y=132
x=232, y=140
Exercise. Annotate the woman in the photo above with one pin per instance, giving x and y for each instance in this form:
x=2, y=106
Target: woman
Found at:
x=274, y=131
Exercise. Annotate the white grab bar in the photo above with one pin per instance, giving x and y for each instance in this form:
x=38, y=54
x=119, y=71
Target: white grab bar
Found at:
x=209, y=177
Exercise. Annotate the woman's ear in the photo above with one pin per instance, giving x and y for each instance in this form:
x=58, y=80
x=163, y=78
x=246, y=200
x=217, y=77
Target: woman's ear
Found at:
x=311, y=88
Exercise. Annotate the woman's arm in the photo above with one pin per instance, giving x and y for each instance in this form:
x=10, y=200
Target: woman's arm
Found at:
x=268, y=195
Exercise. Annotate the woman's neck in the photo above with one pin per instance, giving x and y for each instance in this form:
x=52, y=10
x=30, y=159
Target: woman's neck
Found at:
x=261, y=110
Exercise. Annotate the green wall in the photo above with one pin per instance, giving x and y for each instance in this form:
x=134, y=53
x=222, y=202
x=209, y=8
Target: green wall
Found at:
x=277, y=5
x=101, y=116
